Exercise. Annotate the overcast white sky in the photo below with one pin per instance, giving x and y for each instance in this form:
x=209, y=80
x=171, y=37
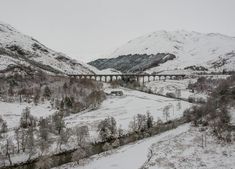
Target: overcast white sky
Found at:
x=87, y=29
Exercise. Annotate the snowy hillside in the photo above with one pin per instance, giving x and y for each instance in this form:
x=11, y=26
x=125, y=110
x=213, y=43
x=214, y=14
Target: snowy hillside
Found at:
x=19, y=49
x=109, y=71
x=187, y=49
x=178, y=148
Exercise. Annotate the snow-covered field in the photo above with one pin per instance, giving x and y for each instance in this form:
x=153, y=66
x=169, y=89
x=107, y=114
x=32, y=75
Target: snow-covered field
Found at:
x=11, y=112
x=170, y=86
x=124, y=108
x=179, y=148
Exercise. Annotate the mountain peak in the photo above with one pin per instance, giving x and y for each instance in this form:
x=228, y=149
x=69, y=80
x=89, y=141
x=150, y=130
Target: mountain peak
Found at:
x=186, y=49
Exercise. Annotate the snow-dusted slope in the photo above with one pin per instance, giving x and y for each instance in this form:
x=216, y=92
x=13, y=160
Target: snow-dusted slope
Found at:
x=109, y=71
x=179, y=148
x=19, y=49
x=189, y=48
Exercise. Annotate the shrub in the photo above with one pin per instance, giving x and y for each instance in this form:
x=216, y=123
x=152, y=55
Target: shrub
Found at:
x=191, y=99
x=114, y=84
x=116, y=143
x=27, y=120
x=201, y=100
x=171, y=95
x=47, y=92
x=3, y=126
x=107, y=147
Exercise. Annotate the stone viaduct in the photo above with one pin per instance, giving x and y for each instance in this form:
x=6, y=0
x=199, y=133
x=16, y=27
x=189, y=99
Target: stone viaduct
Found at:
x=128, y=77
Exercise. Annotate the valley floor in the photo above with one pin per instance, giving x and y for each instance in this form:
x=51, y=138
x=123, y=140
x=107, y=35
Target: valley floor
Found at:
x=180, y=148
x=124, y=108
x=11, y=112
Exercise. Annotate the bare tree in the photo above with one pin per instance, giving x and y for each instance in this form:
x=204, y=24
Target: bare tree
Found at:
x=178, y=93
x=107, y=129
x=82, y=135
x=23, y=138
x=27, y=120
x=3, y=159
x=17, y=138
x=58, y=121
x=84, y=146
x=57, y=104
x=95, y=98
x=3, y=126
x=47, y=92
x=30, y=144
x=43, y=135
x=9, y=149
x=149, y=120
x=36, y=97
x=44, y=128
x=139, y=123
x=120, y=131
x=178, y=106
x=63, y=138
x=166, y=112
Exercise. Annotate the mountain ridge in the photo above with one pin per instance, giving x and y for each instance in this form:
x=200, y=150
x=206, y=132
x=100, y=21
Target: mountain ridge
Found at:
x=22, y=50
x=212, y=50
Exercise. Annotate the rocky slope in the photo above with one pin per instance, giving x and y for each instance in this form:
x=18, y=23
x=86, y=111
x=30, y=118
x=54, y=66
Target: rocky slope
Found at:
x=164, y=50
x=19, y=50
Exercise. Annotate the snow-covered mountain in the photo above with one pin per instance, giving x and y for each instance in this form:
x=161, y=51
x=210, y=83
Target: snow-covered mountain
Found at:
x=17, y=50
x=164, y=50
